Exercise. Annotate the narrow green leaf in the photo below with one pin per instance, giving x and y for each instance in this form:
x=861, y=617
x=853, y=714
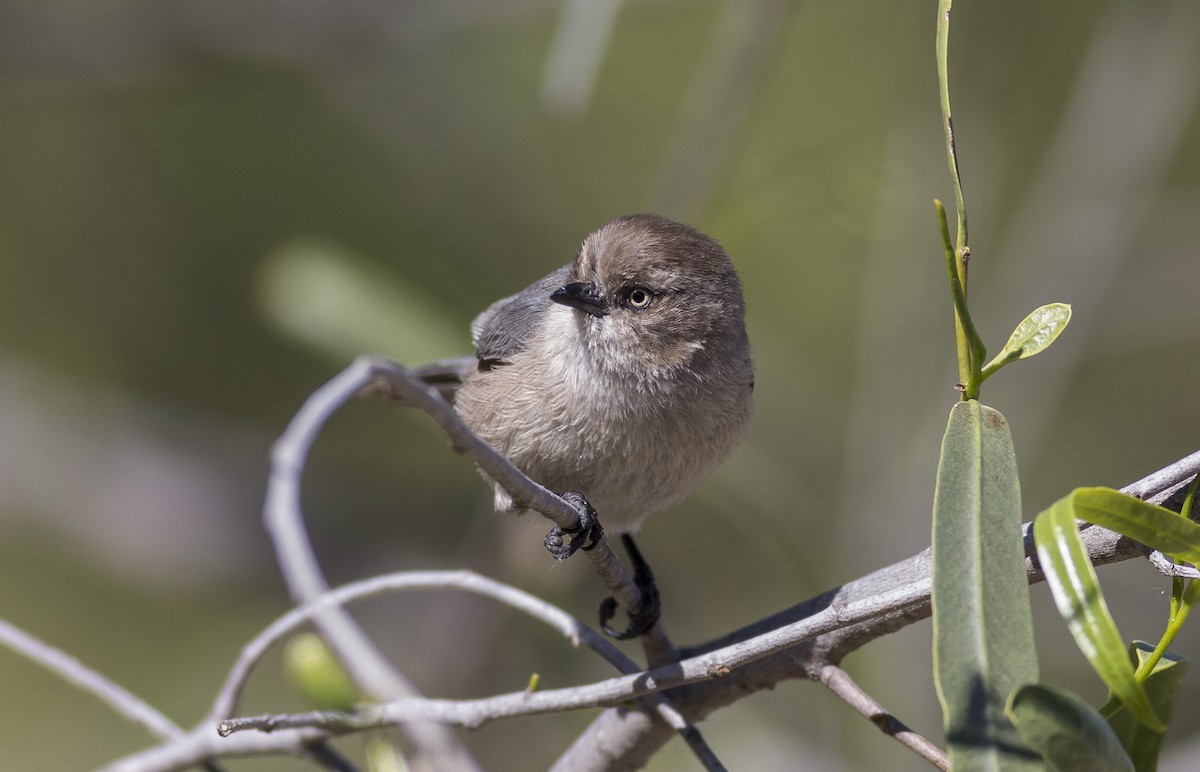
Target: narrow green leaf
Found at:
x=982, y=629
x=1076, y=590
x=1066, y=731
x=1154, y=526
x=1034, y=334
x=1140, y=741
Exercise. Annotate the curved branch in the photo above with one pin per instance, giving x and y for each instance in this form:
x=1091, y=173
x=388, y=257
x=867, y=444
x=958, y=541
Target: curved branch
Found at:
x=577, y=633
x=368, y=668
x=202, y=742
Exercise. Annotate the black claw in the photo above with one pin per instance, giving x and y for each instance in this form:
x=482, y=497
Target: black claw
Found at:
x=585, y=536
x=642, y=620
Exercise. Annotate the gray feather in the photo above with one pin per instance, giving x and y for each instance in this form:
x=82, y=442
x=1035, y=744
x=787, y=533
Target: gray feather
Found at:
x=503, y=329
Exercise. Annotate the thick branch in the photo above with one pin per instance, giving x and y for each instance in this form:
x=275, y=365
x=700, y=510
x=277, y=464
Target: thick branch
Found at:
x=617, y=740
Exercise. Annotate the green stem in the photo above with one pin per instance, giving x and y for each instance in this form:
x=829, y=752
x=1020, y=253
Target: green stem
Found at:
x=970, y=348
x=1184, y=596
x=1187, y=602
x=971, y=351
x=943, y=68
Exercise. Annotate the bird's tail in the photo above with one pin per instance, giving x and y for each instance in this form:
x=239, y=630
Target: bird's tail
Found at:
x=446, y=375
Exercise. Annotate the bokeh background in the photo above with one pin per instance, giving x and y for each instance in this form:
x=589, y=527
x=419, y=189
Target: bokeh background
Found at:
x=207, y=207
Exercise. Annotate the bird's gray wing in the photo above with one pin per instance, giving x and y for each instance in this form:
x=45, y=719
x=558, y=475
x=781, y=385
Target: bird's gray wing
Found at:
x=504, y=328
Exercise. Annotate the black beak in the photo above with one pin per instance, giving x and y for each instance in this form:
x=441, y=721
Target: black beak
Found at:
x=581, y=295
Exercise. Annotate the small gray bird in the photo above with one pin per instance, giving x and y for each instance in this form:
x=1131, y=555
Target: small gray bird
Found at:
x=624, y=376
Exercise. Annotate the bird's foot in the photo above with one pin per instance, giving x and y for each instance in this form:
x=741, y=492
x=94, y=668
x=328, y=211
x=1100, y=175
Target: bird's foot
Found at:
x=584, y=536
x=650, y=609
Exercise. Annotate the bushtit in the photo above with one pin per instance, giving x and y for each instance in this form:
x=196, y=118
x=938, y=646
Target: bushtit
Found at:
x=624, y=376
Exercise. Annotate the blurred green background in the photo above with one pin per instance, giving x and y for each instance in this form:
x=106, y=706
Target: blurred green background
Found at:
x=206, y=208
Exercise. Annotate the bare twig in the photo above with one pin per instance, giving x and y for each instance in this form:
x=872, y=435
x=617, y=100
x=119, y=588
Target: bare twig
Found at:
x=577, y=633
x=75, y=672
x=121, y=700
x=841, y=684
x=185, y=752
x=202, y=742
x=711, y=665
x=1166, y=479
x=436, y=747
x=1167, y=567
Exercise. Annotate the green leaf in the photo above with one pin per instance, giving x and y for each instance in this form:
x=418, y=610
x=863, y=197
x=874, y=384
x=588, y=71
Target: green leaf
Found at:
x=982, y=629
x=1140, y=741
x=1068, y=733
x=1076, y=590
x=1154, y=526
x=1034, y=334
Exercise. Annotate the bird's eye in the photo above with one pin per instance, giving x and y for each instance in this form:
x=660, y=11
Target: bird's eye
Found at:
x=638, y=298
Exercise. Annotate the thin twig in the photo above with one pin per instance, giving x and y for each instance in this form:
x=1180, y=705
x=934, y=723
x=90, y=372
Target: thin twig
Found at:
x=841, y=684
x=75, y=672
x=711, y=665
x=577, y=633
x=1166, y=478
x=204, y=743
x=1167, y=567
x=370, y=670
